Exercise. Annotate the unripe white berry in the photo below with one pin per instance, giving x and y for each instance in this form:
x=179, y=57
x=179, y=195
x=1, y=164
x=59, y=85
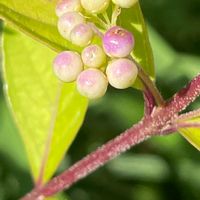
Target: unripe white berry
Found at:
x=68, y=21
x=95, y=6
x=92, y=83
x=65, y=6
x=81, y=35
x=67, y=66
x=125, y=3
x=93, y=56
x=122, y=73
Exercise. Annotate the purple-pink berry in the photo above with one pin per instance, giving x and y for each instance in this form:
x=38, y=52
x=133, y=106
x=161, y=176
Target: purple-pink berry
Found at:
x=68, y=21
x=65, y=6
x=122, y=73
x=67, y=66
x=92, y=83
x=118, y=42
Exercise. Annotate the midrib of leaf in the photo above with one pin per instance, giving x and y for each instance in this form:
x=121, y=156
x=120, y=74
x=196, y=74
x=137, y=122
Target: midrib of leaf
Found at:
x=49, y=136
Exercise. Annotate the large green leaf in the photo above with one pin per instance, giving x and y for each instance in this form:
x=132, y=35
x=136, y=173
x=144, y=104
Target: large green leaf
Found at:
x=133, y=20
x=37, y=19
x=48, y=112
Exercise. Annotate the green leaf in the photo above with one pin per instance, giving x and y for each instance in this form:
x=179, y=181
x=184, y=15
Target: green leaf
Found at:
x=37, y=19
x=192, y=134
x=132, y=19
x=47, y=112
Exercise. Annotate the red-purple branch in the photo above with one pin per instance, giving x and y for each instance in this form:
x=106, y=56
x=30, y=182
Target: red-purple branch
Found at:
x=149, y=126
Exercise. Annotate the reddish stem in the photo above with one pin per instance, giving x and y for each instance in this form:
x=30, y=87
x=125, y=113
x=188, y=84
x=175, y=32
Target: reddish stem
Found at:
x=149, y=126
x=149, y=102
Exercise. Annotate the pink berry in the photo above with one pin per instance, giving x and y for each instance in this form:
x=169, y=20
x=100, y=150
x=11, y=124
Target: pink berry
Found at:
x=81, y=35
x=65, y=6
x=67, y=66
x=68, y=21
x=93, y=56
x=118, y=42
x=122, y=73
x=92, y=83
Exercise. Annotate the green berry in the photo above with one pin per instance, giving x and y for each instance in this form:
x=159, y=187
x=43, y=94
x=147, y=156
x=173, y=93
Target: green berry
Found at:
x=95, y=6
x=93, y=56
x=125, y=3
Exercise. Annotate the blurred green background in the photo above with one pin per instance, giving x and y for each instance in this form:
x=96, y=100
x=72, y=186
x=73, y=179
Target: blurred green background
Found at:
x=161, y=168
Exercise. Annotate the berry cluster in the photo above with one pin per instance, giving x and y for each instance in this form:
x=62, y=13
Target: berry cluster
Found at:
x=97, y=65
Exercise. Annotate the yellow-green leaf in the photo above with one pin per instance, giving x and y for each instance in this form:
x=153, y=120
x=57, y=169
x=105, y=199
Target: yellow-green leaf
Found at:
x=133, y=20
x=47, y=112
x=37, y=19
x=192, y=134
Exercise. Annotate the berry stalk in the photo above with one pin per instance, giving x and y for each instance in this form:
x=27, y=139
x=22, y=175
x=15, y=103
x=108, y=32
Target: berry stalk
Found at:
x=149, y=126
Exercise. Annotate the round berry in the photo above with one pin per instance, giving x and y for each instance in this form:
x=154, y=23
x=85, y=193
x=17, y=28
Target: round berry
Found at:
x=93, y=56
x=68, y=21
x=81, y=35
x=92, y=83
x=67, y=66
x=122, y=73
x=118, y=42
x=125, y=3
x=95, y=6
x=65, y=6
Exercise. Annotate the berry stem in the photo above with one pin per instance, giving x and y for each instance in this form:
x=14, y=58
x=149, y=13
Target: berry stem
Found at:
x=149, y=86
x=97, y=20
x=149, y=102
x=116, y=12
x=149, y=126
x=105, y=16
x=95, y=29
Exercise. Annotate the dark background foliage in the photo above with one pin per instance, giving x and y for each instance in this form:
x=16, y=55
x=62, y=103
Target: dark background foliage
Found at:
x=161, y=168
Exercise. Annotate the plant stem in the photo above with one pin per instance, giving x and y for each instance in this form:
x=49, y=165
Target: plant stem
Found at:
x=105, y=15
x=116, y=12
x=149, y=126
x=150, y=86
x=149, y=102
